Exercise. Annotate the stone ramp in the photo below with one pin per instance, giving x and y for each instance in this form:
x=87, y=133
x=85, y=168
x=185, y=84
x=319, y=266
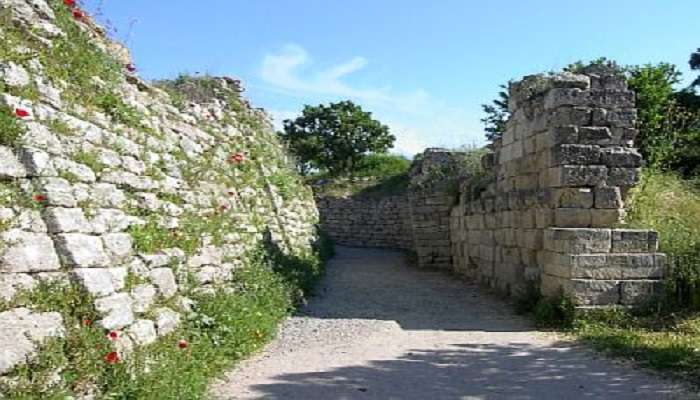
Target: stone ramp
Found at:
x=381, y=329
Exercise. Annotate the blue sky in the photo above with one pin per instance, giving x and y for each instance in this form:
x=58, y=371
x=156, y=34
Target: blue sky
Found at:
x=422, y=67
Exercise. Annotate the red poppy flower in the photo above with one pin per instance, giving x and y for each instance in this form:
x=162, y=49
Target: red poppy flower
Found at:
x=87, y=322
x=39, y=198
x=69, y=3
x=113, y=335
x=182, y=344
x=112, y=358
x=77, y=14
x=130, y=67
x=237, y=158
x=21, y=112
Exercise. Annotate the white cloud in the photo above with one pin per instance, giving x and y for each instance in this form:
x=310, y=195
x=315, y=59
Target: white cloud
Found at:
x=416, y=118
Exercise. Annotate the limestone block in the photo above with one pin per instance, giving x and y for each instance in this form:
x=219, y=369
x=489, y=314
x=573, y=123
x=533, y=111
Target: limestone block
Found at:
x=11, y=284
x=621, y=157
x=574, y=154
x=584, y=292
x=577, y=240
x=634, y=241
x=37, y=163
x=101, y=281
x=574, y=175
x=606, y=218
x=595, y=135
x=66, y=220
x=27, y=252
x=164, y=280
x=144, y=296
x=143, y=332
x=167, y=321
x=58, y=192
x=118, y=247
x=608, y=198
x=625, y=177
x=21, y=331
x=117, y=311
x=81, y=251
x=572, y=198
x=572, y=217
x=10, y=167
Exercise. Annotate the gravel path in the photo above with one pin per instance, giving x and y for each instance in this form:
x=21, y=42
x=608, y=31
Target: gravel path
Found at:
x=380, y=329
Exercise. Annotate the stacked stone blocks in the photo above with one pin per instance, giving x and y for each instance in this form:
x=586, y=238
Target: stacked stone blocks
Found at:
x=560, y=174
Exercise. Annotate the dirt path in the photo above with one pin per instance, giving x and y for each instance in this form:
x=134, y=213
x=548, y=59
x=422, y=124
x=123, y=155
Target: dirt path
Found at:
x=380, y=329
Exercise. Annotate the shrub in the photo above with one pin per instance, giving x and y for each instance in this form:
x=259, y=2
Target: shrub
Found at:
x=555, y=312
x=671, y=206
x=382, y=166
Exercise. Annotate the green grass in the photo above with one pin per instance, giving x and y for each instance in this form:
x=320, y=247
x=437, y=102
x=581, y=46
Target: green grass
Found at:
x=223, y=328
x=669, y=343
x=10, y=128
x=671, y=206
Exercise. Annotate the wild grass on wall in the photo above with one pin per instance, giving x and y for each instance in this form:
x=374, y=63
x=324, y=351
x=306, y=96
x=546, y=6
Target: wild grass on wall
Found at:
x=222, y=328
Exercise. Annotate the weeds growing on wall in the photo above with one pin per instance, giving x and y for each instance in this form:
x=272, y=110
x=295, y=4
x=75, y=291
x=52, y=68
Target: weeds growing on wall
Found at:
x=222, y=328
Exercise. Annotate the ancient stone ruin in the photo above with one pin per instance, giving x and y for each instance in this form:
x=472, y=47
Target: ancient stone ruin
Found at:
x=138, y=199
x=552, y=212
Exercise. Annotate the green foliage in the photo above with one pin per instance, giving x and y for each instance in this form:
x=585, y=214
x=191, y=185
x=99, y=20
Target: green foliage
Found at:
x=381, y=166
x=670, y=205
x=10, y=129
x=334, y=138
x=89, y=159
x=695, y=65
x=497, y=115
x=75, y=59
x=667, y=342
x=151, y=237
x=120, y=112
x=527, y=298
x=555, y=312
x=669, y=132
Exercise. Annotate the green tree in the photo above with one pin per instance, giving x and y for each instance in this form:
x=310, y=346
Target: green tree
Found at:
x=695, y=66
x=497, y=115
x=334, y=138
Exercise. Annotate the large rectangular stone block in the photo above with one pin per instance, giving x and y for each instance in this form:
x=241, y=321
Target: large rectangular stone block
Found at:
x=574, y=175
x=634, y=241
x=583, y=292
x=577, y=240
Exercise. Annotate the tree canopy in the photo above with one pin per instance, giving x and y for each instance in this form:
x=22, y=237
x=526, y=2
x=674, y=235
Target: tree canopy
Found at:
x=334, y=138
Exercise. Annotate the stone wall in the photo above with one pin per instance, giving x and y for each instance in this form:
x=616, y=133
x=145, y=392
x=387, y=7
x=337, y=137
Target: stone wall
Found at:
x=367, y=222
x=559, y=178
x=136, y=196
x=418, y=220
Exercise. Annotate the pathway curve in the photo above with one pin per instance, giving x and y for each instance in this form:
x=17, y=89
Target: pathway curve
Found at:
x=380, y=329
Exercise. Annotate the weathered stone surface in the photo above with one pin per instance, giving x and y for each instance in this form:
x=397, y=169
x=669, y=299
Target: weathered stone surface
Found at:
x=81, y=251
x=11, y=284
x=167, y=321
x=118, y=247
x=144, y=296
x=101, y=281
x=143, y=332
x=10, y=167
x=66, y=220
x=164, y=280
x=21, y=331
x=27, y=252
x=117, y=310
x=58, y=192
